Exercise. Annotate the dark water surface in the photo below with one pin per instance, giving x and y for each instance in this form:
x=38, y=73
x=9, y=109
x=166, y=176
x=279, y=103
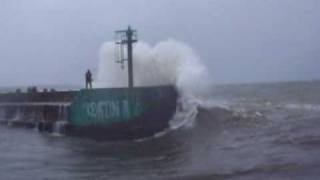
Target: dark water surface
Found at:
x=268, y=131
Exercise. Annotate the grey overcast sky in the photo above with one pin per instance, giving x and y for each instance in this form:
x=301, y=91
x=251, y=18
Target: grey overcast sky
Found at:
x=55, y=41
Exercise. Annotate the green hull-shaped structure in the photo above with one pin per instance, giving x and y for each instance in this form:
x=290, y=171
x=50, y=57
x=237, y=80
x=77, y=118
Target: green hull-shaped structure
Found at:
x=122, y=113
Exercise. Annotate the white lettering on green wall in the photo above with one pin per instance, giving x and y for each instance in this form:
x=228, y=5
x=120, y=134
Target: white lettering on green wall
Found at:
x=107, y=109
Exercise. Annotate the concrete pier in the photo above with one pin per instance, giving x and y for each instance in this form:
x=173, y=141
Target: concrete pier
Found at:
x=35, y=109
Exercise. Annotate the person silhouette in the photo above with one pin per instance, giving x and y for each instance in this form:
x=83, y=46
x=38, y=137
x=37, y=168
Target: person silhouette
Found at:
x=88, y=80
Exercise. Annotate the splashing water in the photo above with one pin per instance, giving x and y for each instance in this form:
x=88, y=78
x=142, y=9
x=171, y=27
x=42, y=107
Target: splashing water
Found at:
x=167, y=63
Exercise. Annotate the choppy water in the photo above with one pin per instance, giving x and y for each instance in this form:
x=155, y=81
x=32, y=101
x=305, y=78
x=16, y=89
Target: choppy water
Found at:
x=267, y=131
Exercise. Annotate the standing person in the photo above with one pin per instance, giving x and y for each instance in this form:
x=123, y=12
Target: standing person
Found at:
x=88, y=79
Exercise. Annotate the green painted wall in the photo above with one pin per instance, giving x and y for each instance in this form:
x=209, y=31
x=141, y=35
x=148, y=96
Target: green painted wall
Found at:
x=114, y=105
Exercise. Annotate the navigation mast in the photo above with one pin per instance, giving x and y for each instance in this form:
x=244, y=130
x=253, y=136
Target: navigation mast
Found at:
x=126, y=38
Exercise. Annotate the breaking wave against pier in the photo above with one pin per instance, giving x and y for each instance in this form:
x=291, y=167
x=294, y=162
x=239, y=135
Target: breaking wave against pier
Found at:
x=167, y=63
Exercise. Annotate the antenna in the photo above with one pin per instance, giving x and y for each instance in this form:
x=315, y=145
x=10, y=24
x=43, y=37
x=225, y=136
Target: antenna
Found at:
x=125, y=39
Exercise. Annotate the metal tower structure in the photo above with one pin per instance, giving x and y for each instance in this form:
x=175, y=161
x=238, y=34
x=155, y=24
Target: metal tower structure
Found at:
x=126, y=38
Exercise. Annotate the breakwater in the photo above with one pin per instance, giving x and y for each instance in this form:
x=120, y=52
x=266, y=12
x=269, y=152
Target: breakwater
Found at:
x=103, y=113
x=35, y=109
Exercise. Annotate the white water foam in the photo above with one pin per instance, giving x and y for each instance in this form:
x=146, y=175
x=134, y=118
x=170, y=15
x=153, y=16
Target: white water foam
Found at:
x=167, y=63
x=59, y=127
x=296, y=106
x=17, y=116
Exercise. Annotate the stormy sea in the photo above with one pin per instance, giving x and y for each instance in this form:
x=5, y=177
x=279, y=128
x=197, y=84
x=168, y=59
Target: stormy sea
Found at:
x=236, y=132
